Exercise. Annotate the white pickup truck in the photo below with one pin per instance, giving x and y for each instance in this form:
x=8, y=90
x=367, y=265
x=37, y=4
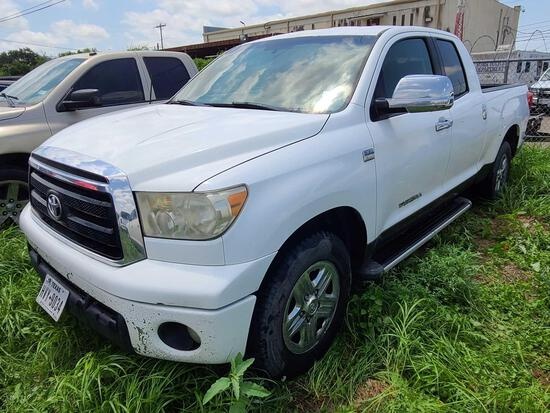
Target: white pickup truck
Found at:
x=235, y=217
x=67, y=90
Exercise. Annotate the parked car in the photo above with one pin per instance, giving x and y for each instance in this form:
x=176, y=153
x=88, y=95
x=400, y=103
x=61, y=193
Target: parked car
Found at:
x=535, y=119
x=235, y=217
x=6, y=81
x=541, y=92
x=70, y=89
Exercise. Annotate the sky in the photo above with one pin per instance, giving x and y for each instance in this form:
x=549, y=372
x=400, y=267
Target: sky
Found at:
x=120, y=24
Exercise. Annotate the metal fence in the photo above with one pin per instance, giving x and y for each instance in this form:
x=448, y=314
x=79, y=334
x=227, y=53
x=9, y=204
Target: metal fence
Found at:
x=528, y=71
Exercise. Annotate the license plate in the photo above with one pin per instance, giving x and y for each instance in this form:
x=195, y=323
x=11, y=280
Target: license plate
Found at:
x=52, y=297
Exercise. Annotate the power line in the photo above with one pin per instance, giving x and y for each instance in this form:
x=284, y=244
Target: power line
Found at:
x=36, y=44
x=34, y=10
x=534, y=24
x=27, y=9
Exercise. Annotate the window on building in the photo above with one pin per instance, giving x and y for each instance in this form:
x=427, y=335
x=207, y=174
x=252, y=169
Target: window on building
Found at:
x=373, y=22
x=411, y=20
x=312, y=26
x=117, y=80
x=402, y=20
x=395, y=20
x=407, y=57
x=519, y=66
x=545, y=67
x=168, y=75
x=452, y=65
x=527, y=67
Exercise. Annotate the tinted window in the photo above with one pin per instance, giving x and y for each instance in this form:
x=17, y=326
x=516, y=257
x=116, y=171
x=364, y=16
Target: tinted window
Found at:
x=118, y=82
x=168, y=75
x=453, y=66
x=407, y=57
x=527, y=67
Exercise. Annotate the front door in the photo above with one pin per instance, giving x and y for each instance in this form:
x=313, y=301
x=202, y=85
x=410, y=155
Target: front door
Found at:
x=120, y=87
x=411, y=155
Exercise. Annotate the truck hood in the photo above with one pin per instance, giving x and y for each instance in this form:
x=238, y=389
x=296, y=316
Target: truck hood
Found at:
x=170, y=147
x=7, y=112
x=541, y=84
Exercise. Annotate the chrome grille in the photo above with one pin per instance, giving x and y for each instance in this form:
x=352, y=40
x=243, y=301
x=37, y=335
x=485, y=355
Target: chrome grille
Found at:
x=88, y=216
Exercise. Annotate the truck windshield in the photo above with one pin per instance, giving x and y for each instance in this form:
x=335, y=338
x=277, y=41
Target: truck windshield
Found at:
x=35, y=86
x=545, y=76
x=314, y=74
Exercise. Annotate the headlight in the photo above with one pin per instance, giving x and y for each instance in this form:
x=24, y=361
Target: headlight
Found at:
x=190, y=215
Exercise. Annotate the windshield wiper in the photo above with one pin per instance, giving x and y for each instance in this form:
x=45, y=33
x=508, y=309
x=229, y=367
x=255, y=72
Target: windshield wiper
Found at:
x=247, y=105
x=9, y=99
x=188, y=103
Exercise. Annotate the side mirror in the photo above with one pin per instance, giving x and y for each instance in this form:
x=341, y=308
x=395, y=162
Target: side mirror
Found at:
x=83, y=98
x=419, y=93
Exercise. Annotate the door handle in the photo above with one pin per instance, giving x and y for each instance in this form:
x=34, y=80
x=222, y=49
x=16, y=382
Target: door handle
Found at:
x=443, y=124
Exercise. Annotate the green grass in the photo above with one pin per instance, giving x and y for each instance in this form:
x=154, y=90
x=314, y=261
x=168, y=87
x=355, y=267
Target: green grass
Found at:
x=463, y=325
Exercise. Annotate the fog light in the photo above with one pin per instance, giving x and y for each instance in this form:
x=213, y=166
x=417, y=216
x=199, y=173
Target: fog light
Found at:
x=179, y=336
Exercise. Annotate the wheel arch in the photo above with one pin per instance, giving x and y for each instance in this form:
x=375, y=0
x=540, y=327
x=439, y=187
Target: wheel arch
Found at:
x=345, y=222
x=512, y=137
x=19, y=160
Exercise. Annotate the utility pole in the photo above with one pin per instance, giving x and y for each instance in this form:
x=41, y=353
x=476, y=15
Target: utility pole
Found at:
x=459, y=20
x=160, y=26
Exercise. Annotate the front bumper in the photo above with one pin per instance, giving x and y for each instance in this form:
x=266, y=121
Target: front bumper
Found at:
x=215, y=302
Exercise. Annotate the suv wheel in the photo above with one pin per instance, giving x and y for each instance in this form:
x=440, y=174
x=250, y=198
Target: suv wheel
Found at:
x=493, y=185
x=300, y=306
x=14, y=195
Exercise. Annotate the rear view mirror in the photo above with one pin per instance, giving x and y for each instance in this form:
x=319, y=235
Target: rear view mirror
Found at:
x=419, y=93
x=83, y=98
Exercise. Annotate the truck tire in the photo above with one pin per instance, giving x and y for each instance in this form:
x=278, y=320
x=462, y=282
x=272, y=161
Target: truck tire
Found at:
x=300, y=306
x=14, y=194
x=494, y=183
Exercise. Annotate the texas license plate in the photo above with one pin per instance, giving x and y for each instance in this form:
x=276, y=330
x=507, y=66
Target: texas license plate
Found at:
x=52, y=297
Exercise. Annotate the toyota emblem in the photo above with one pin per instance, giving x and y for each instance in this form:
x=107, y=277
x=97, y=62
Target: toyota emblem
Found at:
x=54, y=207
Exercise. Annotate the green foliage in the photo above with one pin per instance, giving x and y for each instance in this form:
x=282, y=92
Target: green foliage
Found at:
x=19, y=62
x=461, y=326
x=138, y=47
x=201, y=63
x=72, y=52
x=241, y=392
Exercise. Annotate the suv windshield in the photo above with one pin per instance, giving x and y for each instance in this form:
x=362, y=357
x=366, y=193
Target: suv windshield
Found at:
x=316, y=74
x=35, y=86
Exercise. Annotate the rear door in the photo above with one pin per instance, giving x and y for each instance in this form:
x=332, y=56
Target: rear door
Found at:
x=411, y=156
x=120, y=86
x=468, y=115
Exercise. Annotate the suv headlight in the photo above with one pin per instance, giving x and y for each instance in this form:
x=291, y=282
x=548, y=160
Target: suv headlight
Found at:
x=189, y=215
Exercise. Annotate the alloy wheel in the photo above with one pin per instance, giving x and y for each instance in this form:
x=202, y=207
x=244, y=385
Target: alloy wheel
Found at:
x=311, y=307
x=502, y=174
x=14, y=195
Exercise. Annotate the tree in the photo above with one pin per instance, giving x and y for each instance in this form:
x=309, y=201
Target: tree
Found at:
x=19, y=62
x=137, y=47
x=85, y=50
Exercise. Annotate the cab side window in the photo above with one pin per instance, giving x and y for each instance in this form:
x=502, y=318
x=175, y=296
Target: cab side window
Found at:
x=406, y=57
x=452, y=66
x=118, y=82
x=168, y=75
